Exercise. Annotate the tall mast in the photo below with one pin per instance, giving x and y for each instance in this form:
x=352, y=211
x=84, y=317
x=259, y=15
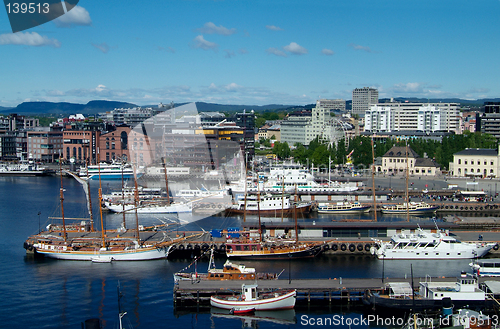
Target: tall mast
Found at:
x=245, y=196
x=166, y=181
x=407, y=193
x=136, y=200
x=123, y=201
x=295, y=215
x=258, y=209
x=61, y=193
x=282, y=194
x=100, y=199
x=91, y=213
x=373, y=183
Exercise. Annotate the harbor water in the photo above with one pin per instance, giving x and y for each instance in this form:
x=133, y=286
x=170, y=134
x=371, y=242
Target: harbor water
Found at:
x=44, y=293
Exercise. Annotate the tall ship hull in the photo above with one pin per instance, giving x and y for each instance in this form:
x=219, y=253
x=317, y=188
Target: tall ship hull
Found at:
x=257, y=251
x=63, y=252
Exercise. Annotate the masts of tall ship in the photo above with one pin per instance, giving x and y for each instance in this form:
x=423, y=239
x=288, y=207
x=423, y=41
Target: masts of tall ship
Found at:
x=166, y=181
x=62, y=200
x=258, y=210
x=282, y=194
x=245, y=201
x=124, y=225
x=407, y=193
x=136, y=200
x=295, y=215
x=373, y=183
x=91, y=213
x=103, y=234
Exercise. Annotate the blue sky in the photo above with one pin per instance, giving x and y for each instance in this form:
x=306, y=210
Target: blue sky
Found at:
x=254, y=52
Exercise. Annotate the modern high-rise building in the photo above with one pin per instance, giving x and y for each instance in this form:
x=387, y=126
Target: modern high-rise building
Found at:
x=362, y=98
x=489, y=121
x=331, y=104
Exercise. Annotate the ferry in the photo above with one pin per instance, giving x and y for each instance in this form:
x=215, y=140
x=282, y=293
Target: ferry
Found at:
x=107, y=171
x=23, y=169
x=268, y=205
x=342, y=208
x=413, y=208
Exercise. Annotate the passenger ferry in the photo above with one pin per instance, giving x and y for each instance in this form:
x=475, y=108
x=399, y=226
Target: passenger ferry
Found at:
x=107, y=171
x=413, y=208
x=342, y=208
x=268, y=205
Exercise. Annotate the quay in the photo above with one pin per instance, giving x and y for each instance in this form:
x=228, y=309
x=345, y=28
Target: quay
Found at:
x=333, y=290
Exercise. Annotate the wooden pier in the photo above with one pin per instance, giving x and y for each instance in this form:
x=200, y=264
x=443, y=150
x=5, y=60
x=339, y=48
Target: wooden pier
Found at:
x=333, y=291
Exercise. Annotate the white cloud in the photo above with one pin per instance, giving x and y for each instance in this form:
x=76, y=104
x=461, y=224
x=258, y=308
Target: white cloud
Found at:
x=359, y=47
x=327, y=52
x=410, y=87
x=243, y=51
x=295, y=49
x=102, y=47
x=76, y=16
x=168, y=49
x=28, y=39
x=274, y=28
x=211, y=28
x=200, y=42
x=276, y=51
x=232, y=87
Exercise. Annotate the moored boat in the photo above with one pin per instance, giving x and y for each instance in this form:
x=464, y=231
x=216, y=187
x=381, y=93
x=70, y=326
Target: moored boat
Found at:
x=412, y=208
x=342, y=208
x=486, y=267
x=268, y=205
x=426, y=245
x=251, y=298
x=145, y=207
x=263, y=251
x=431, y=295
x=114, y=171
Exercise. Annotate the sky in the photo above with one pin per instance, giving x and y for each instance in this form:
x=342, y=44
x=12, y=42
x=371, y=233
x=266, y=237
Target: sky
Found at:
x=254, y=52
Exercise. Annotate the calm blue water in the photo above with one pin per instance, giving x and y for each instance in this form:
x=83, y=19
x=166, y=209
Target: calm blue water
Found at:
x=62, y=294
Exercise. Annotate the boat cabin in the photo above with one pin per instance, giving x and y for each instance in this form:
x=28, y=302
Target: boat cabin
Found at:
x=465, y=288
x=249, y=292
x=232, y=272
x=486, y=267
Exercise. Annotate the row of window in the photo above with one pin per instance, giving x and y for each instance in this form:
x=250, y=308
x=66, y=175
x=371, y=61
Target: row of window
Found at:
x=477, y=162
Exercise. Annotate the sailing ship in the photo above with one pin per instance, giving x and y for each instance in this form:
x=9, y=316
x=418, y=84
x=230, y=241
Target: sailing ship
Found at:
x=92, y=247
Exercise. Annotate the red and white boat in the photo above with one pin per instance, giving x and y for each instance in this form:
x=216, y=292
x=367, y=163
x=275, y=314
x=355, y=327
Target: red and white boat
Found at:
x=250, y=299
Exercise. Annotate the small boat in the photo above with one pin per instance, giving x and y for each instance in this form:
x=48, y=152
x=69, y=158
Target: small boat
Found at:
x=250, y=298
x=102, y=259
x=229, y=271
x=486, y=267
x=412, y=208
x=343, y=208
x=23, y=169
x=425, y=245
x=242, y=310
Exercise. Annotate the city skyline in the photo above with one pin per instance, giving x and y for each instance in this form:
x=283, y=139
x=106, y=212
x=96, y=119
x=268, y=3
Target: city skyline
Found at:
x=253, y=52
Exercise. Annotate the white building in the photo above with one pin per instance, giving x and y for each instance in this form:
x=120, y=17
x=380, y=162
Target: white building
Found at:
x=476, y=162
x=425, y=117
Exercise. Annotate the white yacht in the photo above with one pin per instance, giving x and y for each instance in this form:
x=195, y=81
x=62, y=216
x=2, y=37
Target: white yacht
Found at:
x=424, y=245
x=486, y=267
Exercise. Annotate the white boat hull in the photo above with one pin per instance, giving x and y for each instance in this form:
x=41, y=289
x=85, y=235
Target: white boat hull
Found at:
x=148, y=253
x=286, y=301
x=464, y=252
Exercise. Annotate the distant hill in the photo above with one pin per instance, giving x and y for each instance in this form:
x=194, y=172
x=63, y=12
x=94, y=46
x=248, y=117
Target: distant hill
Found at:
x=100, y=106
x=64, y=108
